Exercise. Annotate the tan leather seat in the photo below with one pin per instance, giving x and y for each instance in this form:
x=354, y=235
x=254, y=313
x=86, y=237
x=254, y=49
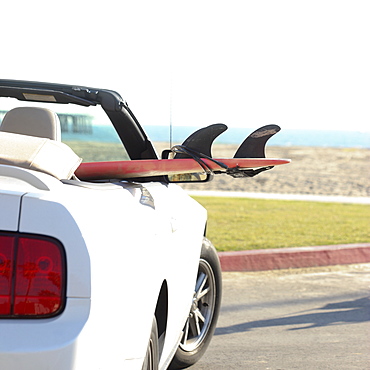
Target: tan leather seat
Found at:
x=30, y=138
x=32, y=121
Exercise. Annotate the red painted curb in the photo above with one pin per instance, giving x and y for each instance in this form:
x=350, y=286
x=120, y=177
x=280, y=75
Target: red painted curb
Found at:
x=285, y=258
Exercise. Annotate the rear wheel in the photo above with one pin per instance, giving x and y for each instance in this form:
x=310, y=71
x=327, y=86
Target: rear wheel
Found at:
x=152, y=353
x=204, y=311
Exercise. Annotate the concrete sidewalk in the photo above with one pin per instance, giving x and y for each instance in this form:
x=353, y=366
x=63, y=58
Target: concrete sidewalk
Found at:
x=285, y=258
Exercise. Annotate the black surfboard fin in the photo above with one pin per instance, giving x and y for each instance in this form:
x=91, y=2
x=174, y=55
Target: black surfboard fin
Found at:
x=201, y=140
x=254, y=145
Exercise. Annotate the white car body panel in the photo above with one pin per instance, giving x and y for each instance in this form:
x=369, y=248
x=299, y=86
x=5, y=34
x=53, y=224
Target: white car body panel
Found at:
x=10, y=202
x=119, y=251
x=46, y=345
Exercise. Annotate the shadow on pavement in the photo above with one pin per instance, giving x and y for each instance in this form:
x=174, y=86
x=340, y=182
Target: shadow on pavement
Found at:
x=354, y=311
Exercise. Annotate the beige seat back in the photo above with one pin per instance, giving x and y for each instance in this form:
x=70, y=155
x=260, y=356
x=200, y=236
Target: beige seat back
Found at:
x=30, y=138
x=32, y=121
x=38, y=154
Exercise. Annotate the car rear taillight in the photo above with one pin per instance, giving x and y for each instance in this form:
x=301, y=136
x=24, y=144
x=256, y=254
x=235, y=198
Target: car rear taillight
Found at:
x=32, y=276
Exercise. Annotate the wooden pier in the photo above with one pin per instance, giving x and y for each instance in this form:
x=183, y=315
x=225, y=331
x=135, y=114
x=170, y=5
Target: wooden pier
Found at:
x=69, y=122
x=75, y=123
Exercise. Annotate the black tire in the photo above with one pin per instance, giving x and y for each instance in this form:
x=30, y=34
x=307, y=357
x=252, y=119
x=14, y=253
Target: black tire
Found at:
x=151, y=359
x=201, y=324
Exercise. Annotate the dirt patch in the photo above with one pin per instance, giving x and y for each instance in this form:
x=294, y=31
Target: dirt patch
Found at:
x=316, y=171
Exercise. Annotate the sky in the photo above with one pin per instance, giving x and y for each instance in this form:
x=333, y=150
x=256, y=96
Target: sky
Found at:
x=298, y=64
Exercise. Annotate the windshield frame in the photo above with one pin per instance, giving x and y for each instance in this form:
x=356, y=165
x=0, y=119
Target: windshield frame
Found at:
x=130, y=132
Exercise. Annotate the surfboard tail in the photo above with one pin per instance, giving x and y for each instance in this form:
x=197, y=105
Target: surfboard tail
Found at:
x=198, y=146
x=252, y=147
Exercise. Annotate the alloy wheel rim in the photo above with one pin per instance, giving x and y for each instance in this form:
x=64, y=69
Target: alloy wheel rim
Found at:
x=202, y=309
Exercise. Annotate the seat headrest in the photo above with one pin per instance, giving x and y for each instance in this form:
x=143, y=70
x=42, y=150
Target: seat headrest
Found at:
x=32, y=121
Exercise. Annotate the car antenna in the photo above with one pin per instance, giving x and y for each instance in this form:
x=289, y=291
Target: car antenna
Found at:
x=171, y=112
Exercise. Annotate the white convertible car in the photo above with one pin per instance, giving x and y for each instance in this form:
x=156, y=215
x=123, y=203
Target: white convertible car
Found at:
x=108, y=273
x=101, y=274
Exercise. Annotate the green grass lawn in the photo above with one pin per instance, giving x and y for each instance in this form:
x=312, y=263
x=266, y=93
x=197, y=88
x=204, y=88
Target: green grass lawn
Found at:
x=243, y=223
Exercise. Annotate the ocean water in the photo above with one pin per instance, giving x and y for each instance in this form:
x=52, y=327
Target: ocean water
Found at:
x=316, y=138
x=286, y=137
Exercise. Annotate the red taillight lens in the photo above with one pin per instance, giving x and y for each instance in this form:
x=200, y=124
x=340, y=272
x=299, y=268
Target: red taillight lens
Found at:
x=32, y=276
x=6, y=273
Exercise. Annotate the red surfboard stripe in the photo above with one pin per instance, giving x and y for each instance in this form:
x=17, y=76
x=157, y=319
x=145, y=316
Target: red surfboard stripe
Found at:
x=158, y=167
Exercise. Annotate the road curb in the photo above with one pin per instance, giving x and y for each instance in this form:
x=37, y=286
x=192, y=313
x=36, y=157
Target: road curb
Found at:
x=285, y=258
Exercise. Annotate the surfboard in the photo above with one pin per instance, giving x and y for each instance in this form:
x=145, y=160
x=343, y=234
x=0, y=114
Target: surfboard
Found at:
x=158, y=167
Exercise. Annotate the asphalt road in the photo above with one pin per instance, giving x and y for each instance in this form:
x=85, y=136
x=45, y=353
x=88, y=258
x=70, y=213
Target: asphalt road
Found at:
x=299, y=319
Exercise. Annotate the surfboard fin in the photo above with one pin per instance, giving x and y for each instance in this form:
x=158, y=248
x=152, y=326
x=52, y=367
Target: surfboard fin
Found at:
x=198, y=147
x=201, y=140
x=254, y=145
